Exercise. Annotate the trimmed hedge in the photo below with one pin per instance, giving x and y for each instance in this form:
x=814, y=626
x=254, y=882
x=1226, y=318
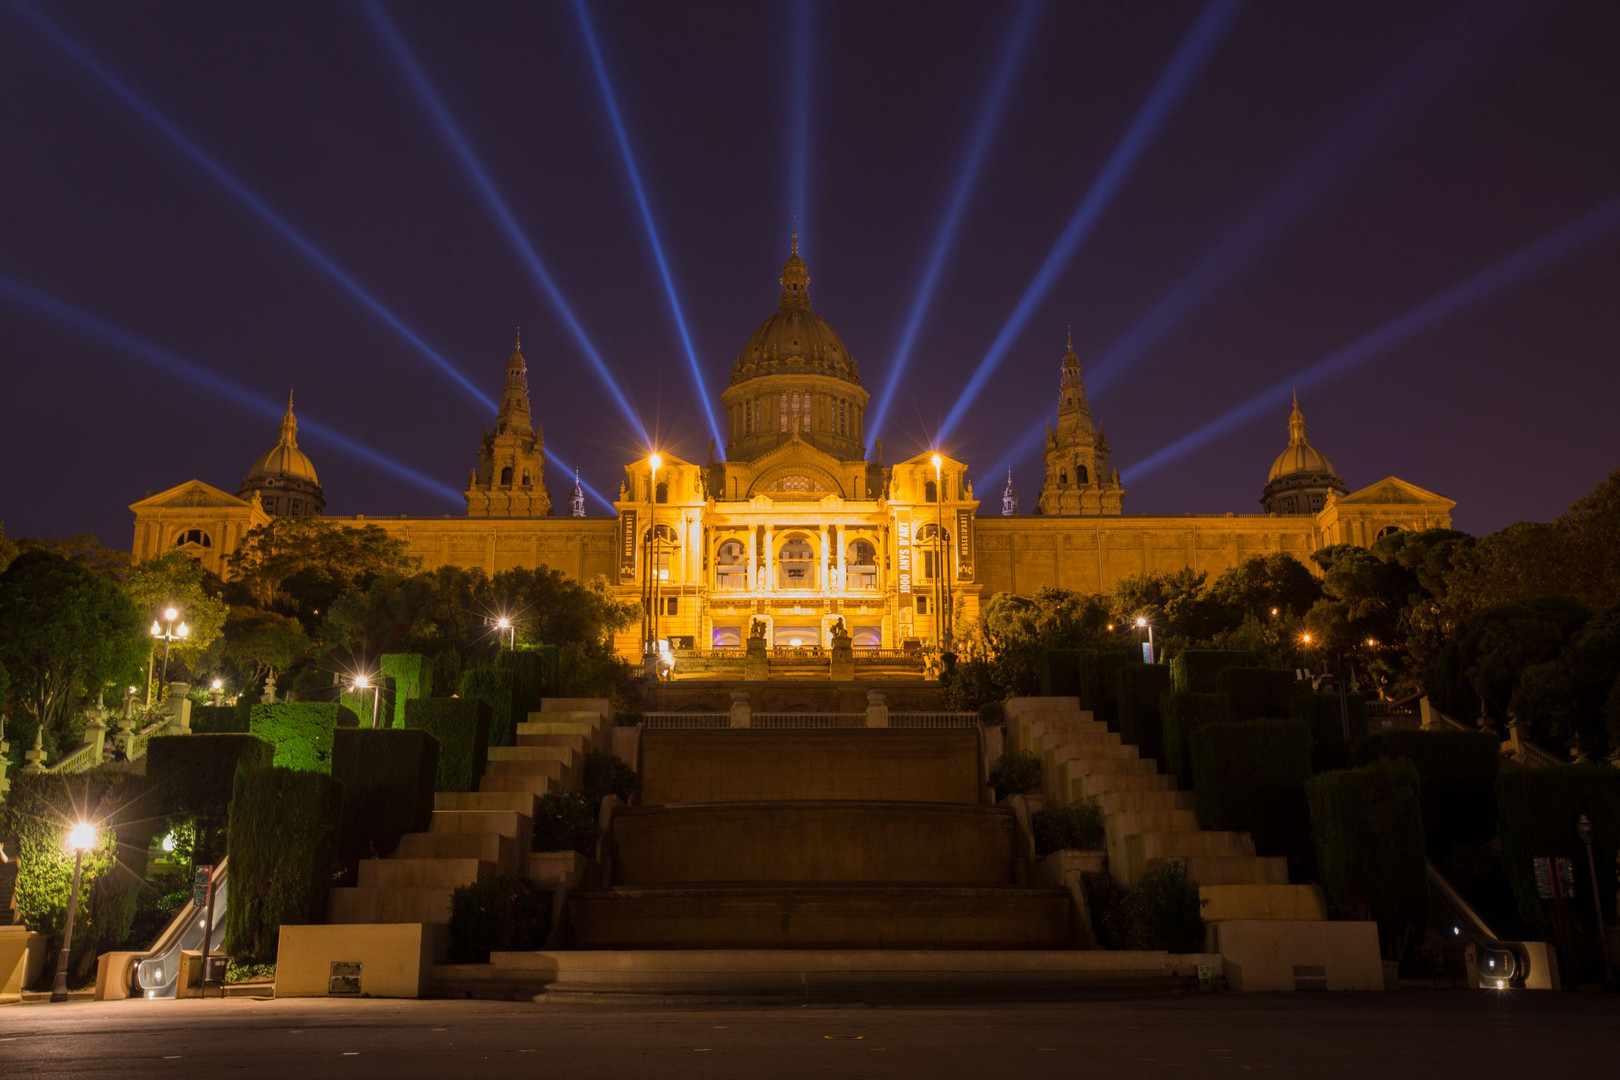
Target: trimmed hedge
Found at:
x=1457, y=773
x=194, y=774
x=284, y=855
x=497, y=687
x=1257, y=693
x=218, y=720
x=1183, y=714
x=1194, y=671
x=1368, y=828
x=534, y=676
x=387, y=777
x=1536, y=814
x=1250, y=777
x=1068, y=828
x=499, y=914
x=412, y=675
x=1141, y=724
x=1058, y=672
x=461, y=726
x=1099, y=684
x=301, y=732
x=1321, y=713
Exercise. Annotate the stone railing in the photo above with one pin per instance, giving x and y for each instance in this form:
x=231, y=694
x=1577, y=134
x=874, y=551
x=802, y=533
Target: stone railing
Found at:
x=807, y=721
x=667, y=721
x=933, y=719
x=877, y=715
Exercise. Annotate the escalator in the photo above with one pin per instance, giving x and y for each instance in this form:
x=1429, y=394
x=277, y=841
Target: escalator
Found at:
x=157, y=973
x=1501, y=965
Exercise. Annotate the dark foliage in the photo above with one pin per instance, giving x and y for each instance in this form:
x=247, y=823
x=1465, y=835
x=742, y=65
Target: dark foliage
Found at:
x=1322, y=714
x=1183, y=714
x=461, y=726
x=1017, y=773
x=1250, y=777
x=284, y=855
x=563, y=821
x=1368, y=828
x=1457, y=773
x=496, y=687
x=498, y=914
x=606, y=775
x=1194, y=670
x=1058, y=672
x=387, y=777
x=1141, y=724
x=1257, y=693
x=1063, y=828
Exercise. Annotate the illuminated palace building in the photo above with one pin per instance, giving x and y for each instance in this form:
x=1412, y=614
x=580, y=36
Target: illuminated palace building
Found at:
x=800, y=527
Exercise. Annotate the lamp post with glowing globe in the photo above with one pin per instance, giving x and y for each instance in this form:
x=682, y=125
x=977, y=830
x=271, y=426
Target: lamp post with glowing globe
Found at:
x=81, y=838
x=166, y=631
x=1143, y=624
x=361, y=684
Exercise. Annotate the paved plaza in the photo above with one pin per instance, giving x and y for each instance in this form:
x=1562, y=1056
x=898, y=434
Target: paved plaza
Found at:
x=1434, y=1034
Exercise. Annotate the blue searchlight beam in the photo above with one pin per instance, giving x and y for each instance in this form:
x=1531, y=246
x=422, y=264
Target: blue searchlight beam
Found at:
x=1550, y=249
x=1012, y=53
x=1201, y=39
x=623, y=136
x=226, y=179
x=498, y=206
x=99, y=329
x=801, y=38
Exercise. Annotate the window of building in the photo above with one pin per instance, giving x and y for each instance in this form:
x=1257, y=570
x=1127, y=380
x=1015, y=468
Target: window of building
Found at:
x=506, y=476
x=194, y=536
x=1387, y=530
x=922, y=604
x=731, y=567
x=1082, y=475
x=1063, y=476
x=661, y=492
x=671, y=605
x=930, y=492
x=860, y=566
x=525, y=479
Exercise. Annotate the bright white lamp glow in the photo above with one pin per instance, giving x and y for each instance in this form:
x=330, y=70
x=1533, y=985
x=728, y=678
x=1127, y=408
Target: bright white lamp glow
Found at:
x=1141, y=620
x=171, y=614
x=82, y=837
x=361, y=682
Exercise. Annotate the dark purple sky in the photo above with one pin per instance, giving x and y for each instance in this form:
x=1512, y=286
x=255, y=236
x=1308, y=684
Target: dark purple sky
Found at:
x=1507, y=407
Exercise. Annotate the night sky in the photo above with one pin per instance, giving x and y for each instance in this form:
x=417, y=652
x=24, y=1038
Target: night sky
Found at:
x=1331, y=166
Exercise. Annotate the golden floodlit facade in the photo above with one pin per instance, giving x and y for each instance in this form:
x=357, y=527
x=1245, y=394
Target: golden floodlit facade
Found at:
x=799, y=529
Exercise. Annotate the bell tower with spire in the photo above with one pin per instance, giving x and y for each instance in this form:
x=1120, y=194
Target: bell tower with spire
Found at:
x=510, y=481
x=1080, y=477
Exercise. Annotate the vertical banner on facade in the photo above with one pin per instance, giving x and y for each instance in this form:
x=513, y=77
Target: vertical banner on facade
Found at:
x=627, y=543
x=902, y=554
x=964, y=545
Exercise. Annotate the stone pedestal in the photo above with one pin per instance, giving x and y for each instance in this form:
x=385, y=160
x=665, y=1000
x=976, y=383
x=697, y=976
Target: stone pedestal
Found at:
x=843, y=660
x=268, y=697
x=741, y=711
x=34, y=758
x=179, y=709
x=877, y=709
x=756, y=664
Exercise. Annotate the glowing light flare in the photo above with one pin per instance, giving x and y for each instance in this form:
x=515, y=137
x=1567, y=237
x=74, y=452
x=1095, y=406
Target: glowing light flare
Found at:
x=202, y=159
x=98, y=329
x=1200, y=41
x=497, y=205
x=623, y=136
x=1552, y=248
x=1012, y=54
x=82, y=837
x=1395, y=103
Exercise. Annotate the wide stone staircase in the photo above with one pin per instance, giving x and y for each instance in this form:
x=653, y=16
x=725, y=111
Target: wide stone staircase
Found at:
x=476, y=834
x=1148, y=821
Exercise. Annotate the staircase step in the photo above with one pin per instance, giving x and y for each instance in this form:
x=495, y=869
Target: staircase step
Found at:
x=513, y=784
x=1262, y=902
x=1145, y=847
x=1234, y=870
x=557, y=727
x=1134, y=822
x=518, y=802
x=561, y=772
x=370, y=904
x=567, y=755
x=423, y=873
x=482, y=847
x=1120, y=802
x=1097, y=784
x=580, y=744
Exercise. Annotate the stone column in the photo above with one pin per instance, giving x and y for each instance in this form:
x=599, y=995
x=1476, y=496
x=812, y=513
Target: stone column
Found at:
x=179, y=709
x=770, y=559
x=823, y=580
x=95, y=733
x=35, y=758
x=840, y=572
x=740, y=710
x=125, y=740
x=877, y=709
x=753, y=558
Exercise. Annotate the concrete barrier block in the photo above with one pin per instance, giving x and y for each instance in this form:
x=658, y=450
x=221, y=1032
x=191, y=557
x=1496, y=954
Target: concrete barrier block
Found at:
x=22, y=958
x=1284, y=954
x=381, y=960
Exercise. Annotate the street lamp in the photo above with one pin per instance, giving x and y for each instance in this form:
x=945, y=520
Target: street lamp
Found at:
x=363, y=683
x=167, y=632
x=1584, y=828
x=81, y=838
x=507, y=627
x=1143, y=624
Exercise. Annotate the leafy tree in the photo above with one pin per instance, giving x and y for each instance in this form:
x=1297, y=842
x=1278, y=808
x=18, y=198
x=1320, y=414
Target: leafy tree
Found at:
x=1177, y=603
x=299, y=565
x=84, y=550
x=1264, y=587
x=427, y=613
x=174, y=579
x=260, y=644
x=64, y=632
x=8, y=549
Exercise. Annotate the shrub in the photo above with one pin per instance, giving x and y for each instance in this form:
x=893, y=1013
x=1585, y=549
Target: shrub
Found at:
x=993, y=714
x=1099, y=684
x=1194, y=671
x=461, y=726
x=494, y=686
x=1456, y=777
x=534, y=677
x=1062, y=828
x=1141, y=686
x=1183, y=714
x=606, y=775
x=387, y=779
x=1164, y=911
x=1017, y=773
x=1368, y=828
x=194, y=773
x=218, y=720
x=38, y=812
x=1536, y=814
x=563, y=822
x=498, y=914
x=1321, y=713
x=412, y=675
x=1257, y=693
x=301, y=732
x=1058, y=672
x=283, y=850
x=1250, y=777
x=445, y=667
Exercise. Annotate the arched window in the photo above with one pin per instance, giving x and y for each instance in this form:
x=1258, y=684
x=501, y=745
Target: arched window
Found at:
x=796, y=565
x=930, y=492
x=194, y=536
x=525, y=479
x=506, y=476
x=1081, y=475
x=731, y=566
x=661, y=492
x=1388, y=530
x=860, y=566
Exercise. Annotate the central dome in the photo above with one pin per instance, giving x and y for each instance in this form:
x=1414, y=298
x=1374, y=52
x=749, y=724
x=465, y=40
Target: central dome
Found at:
x=795, y=340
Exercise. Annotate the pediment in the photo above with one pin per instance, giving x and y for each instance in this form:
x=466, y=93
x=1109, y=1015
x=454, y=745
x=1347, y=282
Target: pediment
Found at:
x=1392, y=490
x=193, y=494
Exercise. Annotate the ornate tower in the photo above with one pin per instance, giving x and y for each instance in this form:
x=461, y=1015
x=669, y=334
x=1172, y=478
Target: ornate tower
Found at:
x=1302, y=476
x=1009, y=499
x=510, y=481
x=283, y=477
x=1079, y=476
x=576, y=501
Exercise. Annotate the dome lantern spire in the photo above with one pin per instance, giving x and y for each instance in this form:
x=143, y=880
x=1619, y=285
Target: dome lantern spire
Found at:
x=795, y=279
